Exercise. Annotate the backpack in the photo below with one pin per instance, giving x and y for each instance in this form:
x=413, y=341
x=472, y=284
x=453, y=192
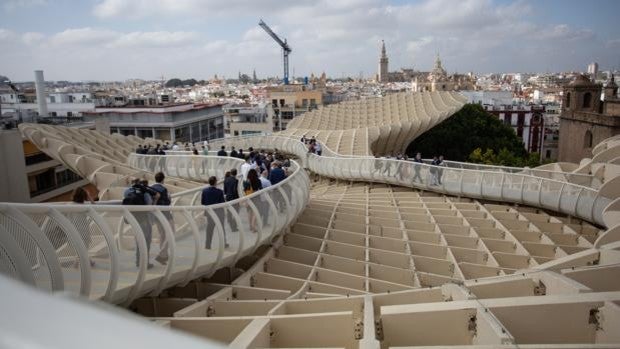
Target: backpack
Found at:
x=135, y=196
x=164, y=198
x=247, y=188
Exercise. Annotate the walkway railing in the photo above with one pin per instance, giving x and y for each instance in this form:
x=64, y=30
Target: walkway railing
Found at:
x=568, y=198
x=192, y=167
x=549, y=193
x=101, y=251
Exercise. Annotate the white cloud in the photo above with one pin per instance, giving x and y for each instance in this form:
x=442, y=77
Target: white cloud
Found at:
x=154, y=39
x=148, y=8
x=7, y=35
x=83, y=37
x=335, y=36
x=32, y=38
x=11, y=5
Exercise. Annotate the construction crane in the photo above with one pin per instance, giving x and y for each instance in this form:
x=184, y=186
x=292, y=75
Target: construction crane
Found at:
x=286, y=49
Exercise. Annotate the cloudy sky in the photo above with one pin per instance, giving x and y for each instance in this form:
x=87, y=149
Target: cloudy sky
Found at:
x=122, y=39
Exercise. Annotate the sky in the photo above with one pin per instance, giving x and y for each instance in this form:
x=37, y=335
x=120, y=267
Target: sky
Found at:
x=115, y=40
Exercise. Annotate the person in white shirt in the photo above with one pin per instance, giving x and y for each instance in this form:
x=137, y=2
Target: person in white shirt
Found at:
x=264, y=181
x=317, y=149
x=246, y=167
x=175, y=147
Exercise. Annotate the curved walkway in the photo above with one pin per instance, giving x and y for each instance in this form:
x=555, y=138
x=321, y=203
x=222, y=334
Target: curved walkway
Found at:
x=91, y=249
x=561, y=196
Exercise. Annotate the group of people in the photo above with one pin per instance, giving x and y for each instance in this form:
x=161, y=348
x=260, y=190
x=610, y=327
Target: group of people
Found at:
x=160, y=149
x=255, y=176
x=143, y=194
x=397, y=168
x=312, y=144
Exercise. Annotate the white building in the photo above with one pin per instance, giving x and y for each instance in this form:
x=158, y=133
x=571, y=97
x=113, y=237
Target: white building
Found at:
x=243, y=119
x=488, y=97
x=175, y=122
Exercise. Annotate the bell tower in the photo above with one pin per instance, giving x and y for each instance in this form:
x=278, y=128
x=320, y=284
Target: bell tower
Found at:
x=383, y=64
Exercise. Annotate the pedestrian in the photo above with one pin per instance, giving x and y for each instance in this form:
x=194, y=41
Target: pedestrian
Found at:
x=139, y=194
x=241, y=155
x=195, y=151
x=264, y=209
x=251, y=185
x=139, y=149
x=433, y=170
x=233, y=153
x=175, y=147
x=264, y=179
x=205, y=146
x=303, y=139
x=318, y=150
x=416, y=167
x=246, y=167
x=440, y=166
x=222, y=152
x=164, y=200
x=212, y=196
x=277, y=174
x=231, y=192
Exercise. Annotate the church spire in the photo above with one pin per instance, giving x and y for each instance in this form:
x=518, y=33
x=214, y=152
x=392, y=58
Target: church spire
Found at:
x=437, y=62
x=383, y=53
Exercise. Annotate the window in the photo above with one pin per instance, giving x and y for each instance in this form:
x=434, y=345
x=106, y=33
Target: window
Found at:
x=587, y=139
x=587, y=100
x=548, y=154
x=313, y=102
x=567, y=101
x=282, y=102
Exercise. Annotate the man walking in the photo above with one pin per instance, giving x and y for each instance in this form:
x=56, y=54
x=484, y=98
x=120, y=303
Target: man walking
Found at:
x=164, y=200
x=231, y=192
x=139, y=194
x=212, y=196
x=416, y=167
x=222, y=152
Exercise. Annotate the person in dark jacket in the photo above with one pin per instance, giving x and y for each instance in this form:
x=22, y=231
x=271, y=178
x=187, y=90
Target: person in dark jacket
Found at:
x=277, y=174
x=212, y=196
x=222, y=152
x=233, y=153
x=231, y=192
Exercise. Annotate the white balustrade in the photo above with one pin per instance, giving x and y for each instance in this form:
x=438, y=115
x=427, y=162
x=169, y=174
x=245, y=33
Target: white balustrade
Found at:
x=53, y=245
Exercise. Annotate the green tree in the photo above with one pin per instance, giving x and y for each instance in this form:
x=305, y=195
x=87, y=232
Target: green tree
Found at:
x=174, y=82
x=467, y=130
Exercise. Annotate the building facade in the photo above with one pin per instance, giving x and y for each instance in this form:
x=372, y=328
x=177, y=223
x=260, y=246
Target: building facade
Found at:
x=290, y=101
x=245, y=119
x=527, y=121
x=28, y=175
x=585, y=119
x=175, y=122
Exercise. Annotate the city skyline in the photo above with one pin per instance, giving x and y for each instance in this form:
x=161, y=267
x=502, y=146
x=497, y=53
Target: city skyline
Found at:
x=120, y=39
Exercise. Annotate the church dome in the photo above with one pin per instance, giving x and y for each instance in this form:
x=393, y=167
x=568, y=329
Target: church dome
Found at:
x=581, y=81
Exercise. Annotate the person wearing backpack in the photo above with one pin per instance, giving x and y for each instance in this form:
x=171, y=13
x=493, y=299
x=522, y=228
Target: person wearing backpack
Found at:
x=251, y=185
x=164, y=200
x=139, y=194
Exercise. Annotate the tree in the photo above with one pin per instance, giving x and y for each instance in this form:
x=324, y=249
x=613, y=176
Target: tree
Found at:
x=467, y=130
x=178, y=82
x=174, y=82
